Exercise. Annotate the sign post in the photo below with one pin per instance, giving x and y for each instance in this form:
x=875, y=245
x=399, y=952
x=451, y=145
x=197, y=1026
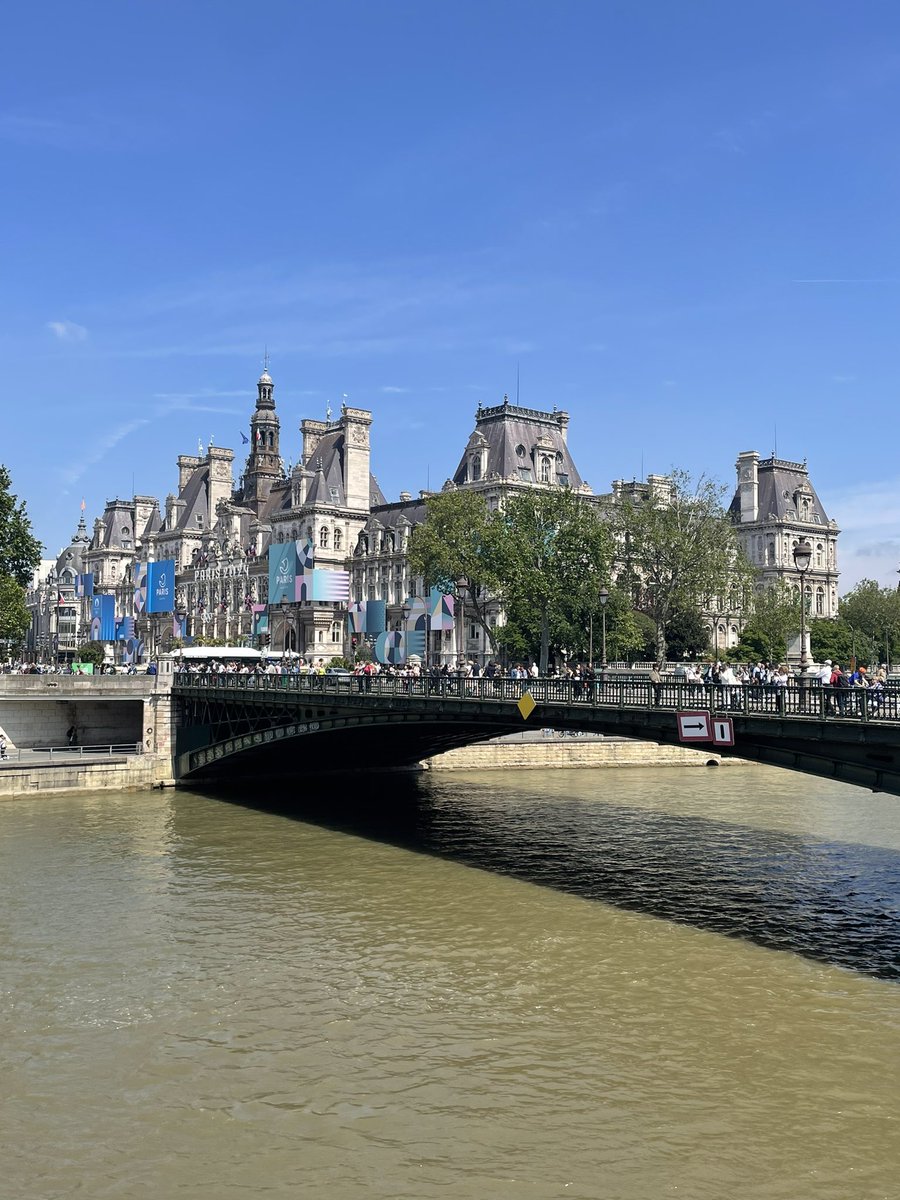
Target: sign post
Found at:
x=694, y=727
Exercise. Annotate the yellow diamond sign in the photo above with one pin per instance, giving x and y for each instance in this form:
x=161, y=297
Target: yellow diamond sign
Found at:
x=526, y=706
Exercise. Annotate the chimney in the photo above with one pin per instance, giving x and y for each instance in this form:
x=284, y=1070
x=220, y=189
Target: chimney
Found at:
x=748, y=485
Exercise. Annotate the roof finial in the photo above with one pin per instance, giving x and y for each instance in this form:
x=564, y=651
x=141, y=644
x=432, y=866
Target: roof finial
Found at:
x=328, y=411
x=266, y=359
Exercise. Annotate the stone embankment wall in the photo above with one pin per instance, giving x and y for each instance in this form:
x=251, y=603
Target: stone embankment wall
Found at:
x=37, y=710
x=524, y=751
x=21, y=779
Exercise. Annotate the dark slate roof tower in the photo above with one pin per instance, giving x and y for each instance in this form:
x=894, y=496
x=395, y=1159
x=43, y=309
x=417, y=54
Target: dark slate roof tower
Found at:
x=775, y=506
x=519, y=446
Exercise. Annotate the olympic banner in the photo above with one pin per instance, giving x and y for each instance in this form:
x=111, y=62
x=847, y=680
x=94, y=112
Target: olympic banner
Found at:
x=103, y=619
x=161, y=586
x=282, y=571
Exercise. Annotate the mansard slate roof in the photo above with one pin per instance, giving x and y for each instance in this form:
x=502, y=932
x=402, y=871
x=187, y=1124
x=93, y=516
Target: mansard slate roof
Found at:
x=196, y=501
x=778, y=481
x=118, y=517
x=505, y=429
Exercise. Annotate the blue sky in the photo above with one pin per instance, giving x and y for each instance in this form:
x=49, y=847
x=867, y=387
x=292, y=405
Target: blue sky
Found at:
x=676, y=221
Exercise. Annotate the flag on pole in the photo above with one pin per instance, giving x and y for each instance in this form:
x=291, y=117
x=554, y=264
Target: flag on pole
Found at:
x=259, y=435
x=244, y=438
x=82, y=503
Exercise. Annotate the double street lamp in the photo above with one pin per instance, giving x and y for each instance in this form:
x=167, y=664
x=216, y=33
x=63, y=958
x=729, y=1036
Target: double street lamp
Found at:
x=802, y=559
x=603, y=597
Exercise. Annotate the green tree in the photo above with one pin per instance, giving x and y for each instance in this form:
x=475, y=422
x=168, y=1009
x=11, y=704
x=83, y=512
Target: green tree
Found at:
x=872, y=613
x=774, y=619
x=832, y=640
x=14, y=616
x=678, y=545
x=20, y=551
x=687, y=634
x=454, y=549
x=92, y=652
x=552, y=551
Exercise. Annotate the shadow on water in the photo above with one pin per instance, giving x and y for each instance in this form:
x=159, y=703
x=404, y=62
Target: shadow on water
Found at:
x=833, y=902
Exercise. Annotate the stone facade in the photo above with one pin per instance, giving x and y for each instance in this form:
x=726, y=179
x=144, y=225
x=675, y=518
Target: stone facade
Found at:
x=775, y=506
x=218, y=530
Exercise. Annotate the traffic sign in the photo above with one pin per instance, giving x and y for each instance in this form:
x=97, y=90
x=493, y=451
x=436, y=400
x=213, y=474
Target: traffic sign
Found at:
x=693, y=727
x=723, y=731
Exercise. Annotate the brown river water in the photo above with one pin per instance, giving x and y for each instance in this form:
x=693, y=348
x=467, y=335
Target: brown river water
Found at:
x=611, y=985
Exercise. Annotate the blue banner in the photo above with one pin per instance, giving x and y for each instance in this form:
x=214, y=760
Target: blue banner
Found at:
x=282, y=572
x=161, y=586
x=84, y=586
x=103, y=618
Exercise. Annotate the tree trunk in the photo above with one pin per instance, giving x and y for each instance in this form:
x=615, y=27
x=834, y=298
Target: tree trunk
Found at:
x=545, y=643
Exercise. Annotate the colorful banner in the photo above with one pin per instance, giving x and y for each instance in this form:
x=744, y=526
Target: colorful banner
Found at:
x=282, y=571
x=179, y=625
x=416, y=622
x=140, y=588
x=356, y=616
x=306, y=555
x=103, y=619
x=84, y=586
x=391, y=648
x=376, y=617
x=332, y=586
x=124, y=629
x=260, y=619
x=441, y=610
x=161, y=586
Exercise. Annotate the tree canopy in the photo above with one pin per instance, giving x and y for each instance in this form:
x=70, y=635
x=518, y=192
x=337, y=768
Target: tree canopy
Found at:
x=678, y=546
x=455, y=550
x=774, y=619
x=872, y=614
x=20, y=551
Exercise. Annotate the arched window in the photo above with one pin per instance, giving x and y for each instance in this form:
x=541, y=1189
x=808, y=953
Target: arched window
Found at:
x=820, y=602
x=338, y=540
x=545, y=469
x=321, y=635
x=476, y=467
x=323, y=537
x=336, y=631
x=771, y=556
x=819, y=557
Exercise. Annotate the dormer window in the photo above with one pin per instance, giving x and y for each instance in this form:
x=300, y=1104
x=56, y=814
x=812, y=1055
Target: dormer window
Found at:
x=545, y=468
x=520, y=451
x=476, y=467
x=323, y=537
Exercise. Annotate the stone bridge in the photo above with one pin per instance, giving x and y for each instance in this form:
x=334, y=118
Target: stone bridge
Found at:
x=233, y=727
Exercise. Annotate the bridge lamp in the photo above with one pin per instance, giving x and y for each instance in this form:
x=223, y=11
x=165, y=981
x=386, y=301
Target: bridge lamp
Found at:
x=603, y=597
x=802, y=559
x=461, y=584
x=285, y=613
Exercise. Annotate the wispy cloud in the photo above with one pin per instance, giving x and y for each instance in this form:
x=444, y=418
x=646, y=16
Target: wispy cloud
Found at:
x=77, y=469
x=67, y=331
x=388, y=390
x=847, y=279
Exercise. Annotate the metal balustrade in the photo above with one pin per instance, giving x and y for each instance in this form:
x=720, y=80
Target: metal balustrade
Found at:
x=796, y=700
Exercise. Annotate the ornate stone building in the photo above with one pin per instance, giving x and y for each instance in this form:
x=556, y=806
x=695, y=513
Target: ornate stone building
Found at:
x=775, y=506
x=218, y=531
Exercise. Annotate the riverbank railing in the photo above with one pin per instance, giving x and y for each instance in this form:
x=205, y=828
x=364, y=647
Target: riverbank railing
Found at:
x=802, y=699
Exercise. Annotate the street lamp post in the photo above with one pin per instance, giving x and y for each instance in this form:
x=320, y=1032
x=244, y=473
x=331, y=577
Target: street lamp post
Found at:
x=461, y=584
x=802, y=559
x=285, y=613
x=603, y=597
